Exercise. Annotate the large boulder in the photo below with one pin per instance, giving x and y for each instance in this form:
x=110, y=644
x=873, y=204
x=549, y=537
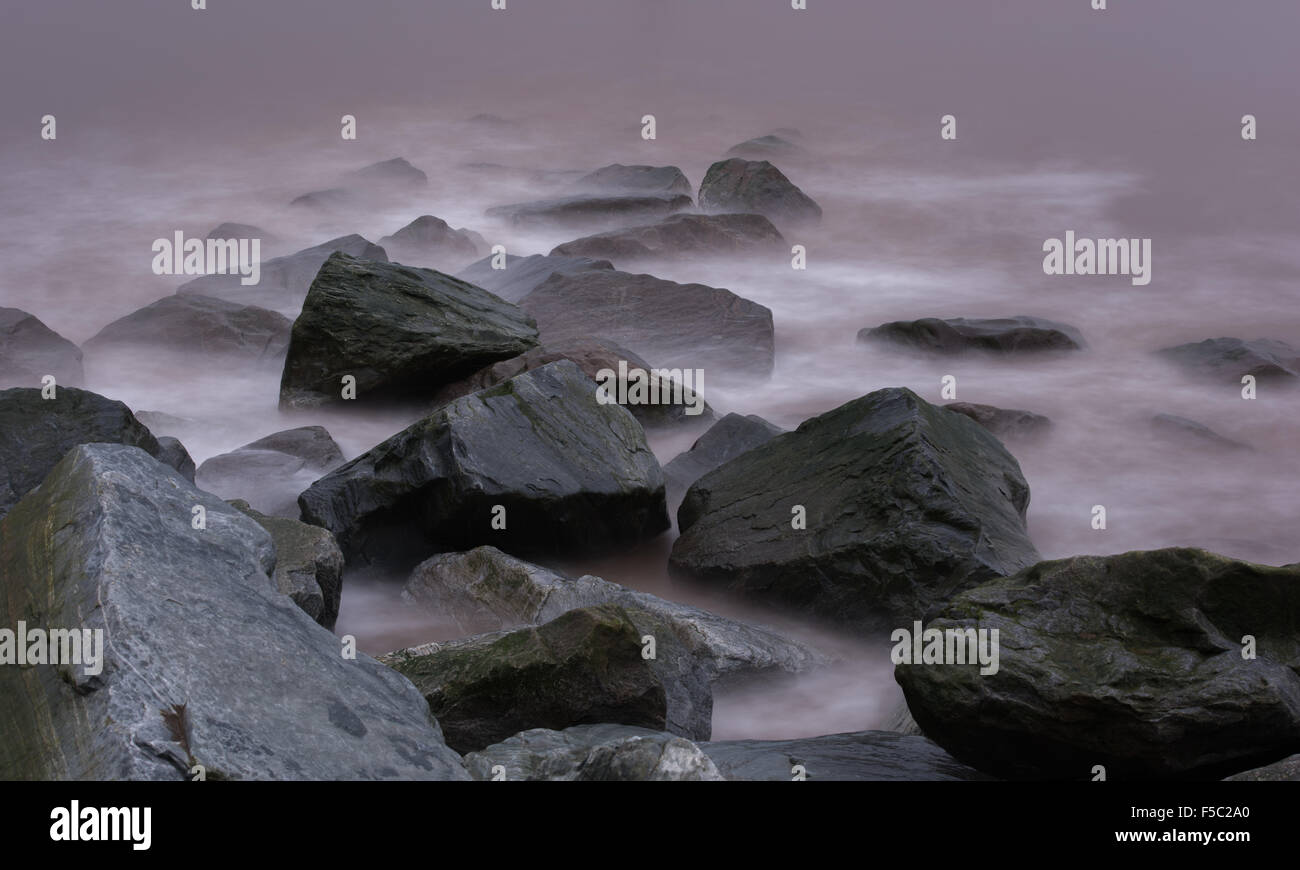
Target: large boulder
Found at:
x=486, y=590
x=283, y=281
x=429, y=239
x=592, y=210
x=204, y=662
x=1135, y=662
x=617, y=178
x=867, y=756
x=586, y=666
x=593, y=753
x=681, y=235
x=194, y=324
x=726, y=439
x=905, y=504
x=570, y=473
x=399, y=331
x=676, y=325
x=1009, y=424
x=998, y=335
x=1230, y=359
x=737, y=185
x=523, y=275
x=30, y=350
x=35, y=433
x=308, y=564
x=270, y=472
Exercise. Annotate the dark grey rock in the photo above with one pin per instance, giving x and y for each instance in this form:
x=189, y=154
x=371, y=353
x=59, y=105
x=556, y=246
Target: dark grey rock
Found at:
x=738, y=185
x=308, y=564
x=194, y=324
x=172, y=452
x=1001, y=335
x=270, y=472
x=429, y=239
x=906, y=503
x=731, y=436
x=191, y=617
x=30, y=350
x=1230, y=359
x=593, y=753
x=523, y=275
x=1009, y=424
x=617, y=178
x=682, y=235
x=866, y=756
x=401, y=332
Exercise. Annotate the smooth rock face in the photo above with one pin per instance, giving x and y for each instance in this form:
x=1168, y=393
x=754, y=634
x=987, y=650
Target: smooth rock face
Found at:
x=731, y=436
x=1132, y=661
x=271, y=471
x=617, y=178
x=593, y=753
x=199, y=324
x=173, y=453
x=682, y=235
x=283, y=282
x=487, y=590
x=400, y=332
x=1189, y=433
x=308, y=564
x=191, y=617
x=573, y=476
x=523, y=275
x=429, y=239
x=676, y=325
x=35, y=433
x=1001, y=335
x=584, y=667
x=906, y=504
x=737, y=185
x=594, y=356
x=1230, y=359
x=1009, y=424
x=590, y=210
x=867, y=756
x=30, y=350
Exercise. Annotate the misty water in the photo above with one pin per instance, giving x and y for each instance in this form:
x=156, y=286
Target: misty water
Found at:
x=909, y=230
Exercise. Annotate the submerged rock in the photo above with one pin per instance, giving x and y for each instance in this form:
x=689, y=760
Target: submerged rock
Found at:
x=1230, y=359
x=765, y=147
x=194, y=324
x=592, y=209
x=270, y=472
x=429, y=239
x=593, y=753
x=523, y=275
x=1020, y=334
x=617, y=178
x=681, y=235
x=1189, y=433
x=738, y=185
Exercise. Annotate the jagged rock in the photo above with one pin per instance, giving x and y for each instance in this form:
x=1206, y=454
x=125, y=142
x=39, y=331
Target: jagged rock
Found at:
x=1192, y=434
x=592, y=209
x=193, y=324
x=400, y=332
x=866, y=756
x=573, y=475
x=523, y=275
x=676, y=325
x=1008, y=424
x=593, y=753
x=270, y=472
x=738, y=185
x=1019, y=334
x=308, y=564
x=617, y=178
x=731, y=436
x=30, y=350
x=681, y=235
x=190, y=617
x=430, y=239
x=906, y=505
x=1231, y=359
x=173, y=453
x=1134, y=662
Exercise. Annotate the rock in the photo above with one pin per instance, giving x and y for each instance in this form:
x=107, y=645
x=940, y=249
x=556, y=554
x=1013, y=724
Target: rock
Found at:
x=731, y=436
x=584, y=667
x=677, y=325
x=161, y=424
x=35, y=433
x=190, y=617
x=395, y=172
x=399, y=331
x=617, y=178
x=172, y=452
x=284, y=280
x=1000, y=335
x=573, y=476
x=1231, y=359
x=1286, y=770
x=594, y=356
x=866, y=756
x=230, y=230
x=308, y=564
x=30, y=350
x=326, y=200
x=680, y=235
x=591, y=209
x=906, y=505
x=765, y=148
x=270, y=472
x=194, y=324
x=523, y=275
x=738, y=185
x=430, y=239
x=487, y=590
x=593, y=753
x=1189, y=433
x=1132, y=661
x=1009, y=424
